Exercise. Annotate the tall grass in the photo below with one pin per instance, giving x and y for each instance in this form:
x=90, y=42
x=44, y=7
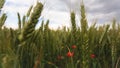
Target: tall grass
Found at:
x=75, y=47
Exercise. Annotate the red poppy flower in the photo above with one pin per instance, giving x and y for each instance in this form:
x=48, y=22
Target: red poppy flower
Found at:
x=92, y=56
x=74, y=46
x=70, y=54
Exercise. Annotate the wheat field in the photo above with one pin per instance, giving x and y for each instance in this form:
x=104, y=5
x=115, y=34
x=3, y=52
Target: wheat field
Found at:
x=75, y=47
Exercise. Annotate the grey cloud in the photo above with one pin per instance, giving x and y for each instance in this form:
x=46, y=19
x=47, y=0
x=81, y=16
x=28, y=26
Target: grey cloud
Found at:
x=63, y=5
x=56, y=5
x=15, y=4
x=108, y=6
x=73, y=5
x=93, y=7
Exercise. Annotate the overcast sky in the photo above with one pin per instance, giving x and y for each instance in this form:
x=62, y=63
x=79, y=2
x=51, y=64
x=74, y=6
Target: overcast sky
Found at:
x=57, y=11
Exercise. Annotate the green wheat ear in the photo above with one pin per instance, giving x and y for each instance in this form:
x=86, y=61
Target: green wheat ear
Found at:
x=29, y=27
x=19, y=21
x=2, y=20
x=29, y=11
x=2, y=3
x=3, y=17
x=104, y=33
x=84, y=24
x=73, y=22
x=23, y=20
x=73, y=28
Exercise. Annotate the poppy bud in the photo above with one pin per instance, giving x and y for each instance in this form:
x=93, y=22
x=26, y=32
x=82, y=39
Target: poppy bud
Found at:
x=74, y=46
x=92, y=55
x=70, y=54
